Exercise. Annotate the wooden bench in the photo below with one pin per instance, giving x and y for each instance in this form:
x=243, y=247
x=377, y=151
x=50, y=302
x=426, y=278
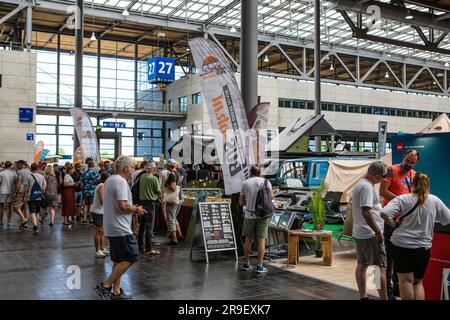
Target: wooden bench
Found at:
x=294, y=248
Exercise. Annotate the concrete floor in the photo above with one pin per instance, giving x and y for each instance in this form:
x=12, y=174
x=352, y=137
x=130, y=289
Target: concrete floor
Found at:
x=39, y=267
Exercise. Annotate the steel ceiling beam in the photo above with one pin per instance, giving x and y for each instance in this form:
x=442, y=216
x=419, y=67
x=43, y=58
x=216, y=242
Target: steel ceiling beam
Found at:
x=115, y=14
x=179, y=7
x=19, y=8
x=222, y=11
x=395, y=13
x=325, y=47
x=362, y=34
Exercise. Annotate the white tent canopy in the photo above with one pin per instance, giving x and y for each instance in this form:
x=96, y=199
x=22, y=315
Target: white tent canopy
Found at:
x=342, y=175
x=440, y=124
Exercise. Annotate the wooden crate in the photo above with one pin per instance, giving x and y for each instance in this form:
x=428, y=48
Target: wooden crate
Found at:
x=214, y=199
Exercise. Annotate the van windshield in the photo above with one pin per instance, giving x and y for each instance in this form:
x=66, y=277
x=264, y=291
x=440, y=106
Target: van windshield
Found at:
x=272, y=168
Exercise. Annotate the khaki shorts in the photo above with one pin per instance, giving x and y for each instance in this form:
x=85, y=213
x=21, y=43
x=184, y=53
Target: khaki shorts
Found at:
x=5, y=198
x=370, y=252
x=18, y=201
x=256, y=227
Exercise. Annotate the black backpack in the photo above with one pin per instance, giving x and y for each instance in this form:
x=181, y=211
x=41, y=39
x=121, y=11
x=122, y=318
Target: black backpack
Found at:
x=36, y=190
x=264, y=207
x=135, y=187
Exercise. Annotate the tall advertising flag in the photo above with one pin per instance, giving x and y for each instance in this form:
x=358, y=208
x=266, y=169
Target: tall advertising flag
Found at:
x=78, y=156
x=86, y=134
x=382, y=135
x=38, y=149
x=257, y=120
x=226, y=112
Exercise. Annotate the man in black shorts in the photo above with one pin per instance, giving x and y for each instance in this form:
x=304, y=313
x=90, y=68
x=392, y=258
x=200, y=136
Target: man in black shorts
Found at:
x=117, y=220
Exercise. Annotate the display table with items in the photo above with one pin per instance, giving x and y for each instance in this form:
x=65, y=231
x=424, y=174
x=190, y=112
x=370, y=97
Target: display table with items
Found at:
x=294, y=248
x=190, y=195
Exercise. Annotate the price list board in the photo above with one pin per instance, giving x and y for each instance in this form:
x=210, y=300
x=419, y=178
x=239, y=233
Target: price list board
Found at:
x=217, y=226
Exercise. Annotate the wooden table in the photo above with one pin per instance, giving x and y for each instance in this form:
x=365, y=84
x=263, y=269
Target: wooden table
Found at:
x=294, y=248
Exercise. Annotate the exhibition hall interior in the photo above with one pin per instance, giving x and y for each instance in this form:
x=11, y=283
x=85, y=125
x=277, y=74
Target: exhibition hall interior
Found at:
x=224, y=150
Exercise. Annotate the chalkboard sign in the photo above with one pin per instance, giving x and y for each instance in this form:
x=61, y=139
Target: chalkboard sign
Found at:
x=217, y=226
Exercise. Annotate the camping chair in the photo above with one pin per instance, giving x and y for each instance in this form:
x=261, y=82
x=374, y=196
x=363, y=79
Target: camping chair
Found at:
x=348, y=227
x=332, y=205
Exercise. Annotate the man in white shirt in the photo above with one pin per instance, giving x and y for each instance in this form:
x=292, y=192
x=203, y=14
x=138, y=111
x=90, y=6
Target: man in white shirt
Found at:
x=368, y=229
x=254, y=226
x=118, y=211
x=7, y=185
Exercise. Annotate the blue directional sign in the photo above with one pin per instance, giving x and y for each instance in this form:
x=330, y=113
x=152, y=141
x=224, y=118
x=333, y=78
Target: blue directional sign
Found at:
x=30, y=136
x=25, y=114
x=108, y=124
x=161, y=70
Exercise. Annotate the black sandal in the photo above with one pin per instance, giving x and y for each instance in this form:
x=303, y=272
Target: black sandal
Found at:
x=23, y=225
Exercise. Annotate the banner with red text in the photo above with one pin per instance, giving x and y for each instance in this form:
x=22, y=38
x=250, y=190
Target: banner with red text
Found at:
x=226, y=112
x=257, y=120
x=86, y=134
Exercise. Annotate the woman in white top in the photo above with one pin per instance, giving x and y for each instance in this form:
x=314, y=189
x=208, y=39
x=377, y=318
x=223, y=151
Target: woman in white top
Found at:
x=411, y=240
x=97, y=217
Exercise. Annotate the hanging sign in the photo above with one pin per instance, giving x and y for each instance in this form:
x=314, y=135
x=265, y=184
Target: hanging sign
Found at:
x=161, y=70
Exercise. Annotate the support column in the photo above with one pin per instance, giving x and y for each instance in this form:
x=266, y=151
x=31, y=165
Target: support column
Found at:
x=136, y=72
x=332, y=143
x=29, y=28
x=249, y=53
x=58, y=72
x=165, y=137
x=79, y=22
x=317, y=64
x=99, y=65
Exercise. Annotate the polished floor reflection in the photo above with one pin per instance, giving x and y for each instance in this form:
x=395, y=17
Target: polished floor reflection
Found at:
x=38, y=267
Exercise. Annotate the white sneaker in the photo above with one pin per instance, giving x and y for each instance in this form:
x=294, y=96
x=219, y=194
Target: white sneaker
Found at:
x=100, y=254
x=106, y=252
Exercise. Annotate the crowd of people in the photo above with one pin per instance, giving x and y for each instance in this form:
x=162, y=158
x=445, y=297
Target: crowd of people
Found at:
x=122, y=200
x=118, y=198
x=38, y=190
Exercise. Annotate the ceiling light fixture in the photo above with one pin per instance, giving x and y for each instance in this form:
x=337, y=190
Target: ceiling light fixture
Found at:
x=331, y=67
x=447, y=65
x=386, y=75
x=233, y=29
x=409, y=16
x=93, y=38
x=125, y=13
x=266, y=58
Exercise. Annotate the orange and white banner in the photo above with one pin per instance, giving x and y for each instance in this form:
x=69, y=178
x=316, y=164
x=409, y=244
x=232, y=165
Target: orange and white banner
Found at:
x=38, y=151
x=257, y=120
x=86, y=134
x=226, y=111
x=78, y=156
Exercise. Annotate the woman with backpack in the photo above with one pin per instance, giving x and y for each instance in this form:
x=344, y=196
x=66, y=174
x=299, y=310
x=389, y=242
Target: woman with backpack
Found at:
x=35, y=194
x=68, y=196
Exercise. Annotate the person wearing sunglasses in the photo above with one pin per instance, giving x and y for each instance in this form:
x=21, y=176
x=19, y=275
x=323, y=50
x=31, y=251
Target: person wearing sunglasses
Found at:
x=413, y=232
